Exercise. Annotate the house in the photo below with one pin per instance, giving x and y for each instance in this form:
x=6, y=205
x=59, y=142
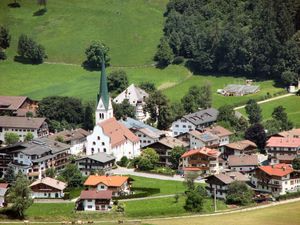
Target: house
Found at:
x=239, y=148
x=244, y=163
x=282, y=158
x=294, y=133
x=201, y=139
x=35, y=157
x=23, y=125
x=17, y=106
x=218, y=184
x=6, y=158
x=193, y=121
x=164, y=146
x=283, y=145
x=204, y=161
x=109, y=135
x=94, y=200
x=145, y=132
x=221, y=132
x=276, y=179
x=119, y=185
x=75, y=138
x=47, y=188
x=136, y=97
x=93, y=163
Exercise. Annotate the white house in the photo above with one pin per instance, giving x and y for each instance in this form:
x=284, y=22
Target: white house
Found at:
x=199, y=139
x=136, y=97
x=47, y=188
x=109, y=135
x=197, y=120
x=93, y=200
x=23, y=125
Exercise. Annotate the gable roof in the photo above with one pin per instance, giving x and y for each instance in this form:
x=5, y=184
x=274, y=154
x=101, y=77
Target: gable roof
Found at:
x=171, y=142
x=278, y=170
x=218, y=130
x=95, y=194
x=117, y=132
x=99, y=157
x=294, y=133
x=241, y=145
x=50, y=182
x=69, y=135
x=202, y=116
x=132, y=92
x=21, y=122
x=11, y=102
x=204, y=136
x=243, y=160
x=229, y=177
x=283, y=142
x=203, y=151
x=110, y=181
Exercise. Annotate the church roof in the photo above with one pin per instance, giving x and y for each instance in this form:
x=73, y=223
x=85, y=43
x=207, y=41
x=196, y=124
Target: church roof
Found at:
x=103, y=92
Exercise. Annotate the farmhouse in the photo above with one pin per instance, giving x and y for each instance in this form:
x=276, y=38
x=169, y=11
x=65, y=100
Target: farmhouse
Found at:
x=201, y=139
x=47, y=188
x=75, y=138
x=240, y=148
x=93, y=163
x=119, y=185
x=243, y=163
x=136, y=97
x=145, y=132
x=221, y=132
x=93, y=200
x=17, y=105
x=109, y=135
x=197, y=120
x=23, y=125
x=283, y=145
x=294, y=133
x=218, y=184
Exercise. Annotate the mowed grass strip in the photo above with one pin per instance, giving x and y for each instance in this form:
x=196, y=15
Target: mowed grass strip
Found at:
x=291, y=104
x=130, y=28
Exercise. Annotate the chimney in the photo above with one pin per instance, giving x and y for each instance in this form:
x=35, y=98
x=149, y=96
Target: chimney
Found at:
x=233, y=177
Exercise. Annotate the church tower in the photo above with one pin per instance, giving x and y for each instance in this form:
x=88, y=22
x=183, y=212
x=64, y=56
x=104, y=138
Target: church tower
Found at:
x=104, y=108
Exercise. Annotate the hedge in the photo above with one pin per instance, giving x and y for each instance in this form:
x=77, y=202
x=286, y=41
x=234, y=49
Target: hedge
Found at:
x=288, y=196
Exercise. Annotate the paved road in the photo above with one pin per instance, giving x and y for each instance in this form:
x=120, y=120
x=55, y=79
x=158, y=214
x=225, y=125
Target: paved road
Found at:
x=267, y=100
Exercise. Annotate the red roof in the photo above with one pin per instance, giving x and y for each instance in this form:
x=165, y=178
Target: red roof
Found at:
x=117, y=132
x=4, y=185
x=279, y=170
x=283, y=142
x=204, y=151
x=95, y=194
x=110, y=181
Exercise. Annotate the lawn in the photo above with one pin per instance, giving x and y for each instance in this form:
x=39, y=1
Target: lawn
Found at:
x=218, y=82
x=292, y=105
x=132, y=31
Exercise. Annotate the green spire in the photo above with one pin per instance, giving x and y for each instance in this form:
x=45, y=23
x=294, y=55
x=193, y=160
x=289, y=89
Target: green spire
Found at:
x=103, y=92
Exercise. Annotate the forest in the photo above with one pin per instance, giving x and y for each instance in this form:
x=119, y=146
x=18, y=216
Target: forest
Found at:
x=258, y=38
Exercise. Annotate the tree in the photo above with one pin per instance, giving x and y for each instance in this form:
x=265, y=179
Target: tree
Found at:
x=147, y=86
x=280, y=115
x=117, y=82
x=123, y=162
x=19, y=195
x=72, y=175
x=2, y=54
x=11, y=138
x=257, y=134
x=177, y=111
x=164, y=120
x=9, y=175
x=175, y=155
x=88, y=122
x=28, y=137
x=148, y=159
x=5, y=37
x=289, y=78
x=164, y=54
x=124, y=110
x=239, y=193
x=50, y=172
x=195, y=199
x=95, y=54
x=197, y=97
x=254, y=111
x=272, y=127
x=296, y=163
x=28, y=49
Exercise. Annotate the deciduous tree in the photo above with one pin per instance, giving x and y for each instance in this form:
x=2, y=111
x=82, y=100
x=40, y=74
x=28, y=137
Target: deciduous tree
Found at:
x=95, y=53
x=254, y=111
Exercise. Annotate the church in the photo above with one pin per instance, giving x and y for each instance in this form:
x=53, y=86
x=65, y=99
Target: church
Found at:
x=109, y=135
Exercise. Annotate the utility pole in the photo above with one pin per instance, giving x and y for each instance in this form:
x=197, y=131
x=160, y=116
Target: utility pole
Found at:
x=215, y=198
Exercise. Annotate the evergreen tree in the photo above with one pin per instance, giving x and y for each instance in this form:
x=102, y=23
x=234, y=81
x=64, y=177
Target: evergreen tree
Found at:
x=254, y=111
x=88, y=122
x=280, y=115
x=5, y=37
x=257, y=134
x=164, y=120
x=164, y=55
x=117, y=82
x=9, y=175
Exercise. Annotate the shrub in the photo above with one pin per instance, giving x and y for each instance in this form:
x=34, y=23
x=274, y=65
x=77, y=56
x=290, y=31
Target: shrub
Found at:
x=178, y=60
x=289, y=196
x=2, y=55
x=123, y=162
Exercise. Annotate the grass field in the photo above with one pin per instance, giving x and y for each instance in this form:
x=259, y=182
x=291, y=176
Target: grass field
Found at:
x=292, y=105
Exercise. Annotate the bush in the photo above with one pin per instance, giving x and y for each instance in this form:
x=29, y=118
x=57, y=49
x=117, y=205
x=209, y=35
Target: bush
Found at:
x=288, y=196
x=123, y=162
x=178, y=60
x=2, y=55
x=163, y=170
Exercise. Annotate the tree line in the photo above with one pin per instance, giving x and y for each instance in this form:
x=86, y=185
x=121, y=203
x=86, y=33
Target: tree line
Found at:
x=253, y=37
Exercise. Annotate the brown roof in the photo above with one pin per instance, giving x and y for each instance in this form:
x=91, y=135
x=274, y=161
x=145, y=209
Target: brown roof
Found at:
x=219, y=131
x=21, y=122
x=203, y=151
x=205, y=136
x=294, y=133
x=69, y=135
x=243, y=160
x=95, y=194
x=11, y=102
x=285, y=157
x=241, y=145
x=283, y=142
x=229, y=177
x=172, y=142
x=117, y=132
x=50, y=182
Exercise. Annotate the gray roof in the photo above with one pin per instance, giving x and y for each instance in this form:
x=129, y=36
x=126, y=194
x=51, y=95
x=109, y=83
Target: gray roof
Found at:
x=229, y=177
x=202, y=116
x=244, y=89
x=100, y=157
x=21, y=122
x=205, y=136
x=243, y=160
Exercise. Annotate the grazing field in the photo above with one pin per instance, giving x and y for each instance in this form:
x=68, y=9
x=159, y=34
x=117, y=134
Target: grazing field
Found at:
x=218, y=82
x=292, y=105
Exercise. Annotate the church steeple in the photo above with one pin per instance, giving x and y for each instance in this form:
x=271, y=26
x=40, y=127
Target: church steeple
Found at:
x=104, y=108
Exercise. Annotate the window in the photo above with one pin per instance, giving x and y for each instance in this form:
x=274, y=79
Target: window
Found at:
x=89, y=200
x=103, y=143
x=90, y=206
x=102, y=187
x=98, y=138
x=104, y=149
x=176, y=125
x=94, y=143
x=184, y=126
x=45, y=194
